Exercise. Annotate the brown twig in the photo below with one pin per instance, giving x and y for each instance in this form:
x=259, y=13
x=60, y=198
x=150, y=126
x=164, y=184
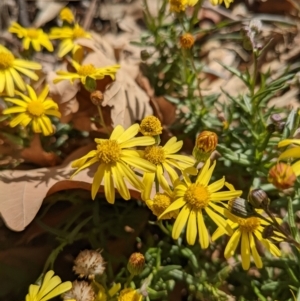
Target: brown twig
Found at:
x=90, y=15
x=23, y=13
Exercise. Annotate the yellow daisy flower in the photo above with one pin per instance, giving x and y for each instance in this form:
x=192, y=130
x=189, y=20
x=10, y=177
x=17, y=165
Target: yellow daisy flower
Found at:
x=180, y=5
x=248, y=230
x=33, y=109
x=193, y=199
x=50, y=288
x=165, y=159
x=68, y=36
x=129, y=294
x=66, y=15
x=84, y=71
x=218, y=2
x=10, y=67
x=35, y=37
x=115, y=157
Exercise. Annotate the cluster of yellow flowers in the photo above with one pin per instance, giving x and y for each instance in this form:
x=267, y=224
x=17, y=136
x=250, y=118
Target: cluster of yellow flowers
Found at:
x=189, y=199
x=180, y=5
x=31, y=109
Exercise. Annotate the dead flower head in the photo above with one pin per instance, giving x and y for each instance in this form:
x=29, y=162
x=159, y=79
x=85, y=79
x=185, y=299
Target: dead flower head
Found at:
x=81, y=291
x=88, y=264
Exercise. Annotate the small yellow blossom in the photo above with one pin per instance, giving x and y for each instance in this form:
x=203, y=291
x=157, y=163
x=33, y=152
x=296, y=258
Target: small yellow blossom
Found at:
x=218, y=2
x=150, y=126
x=31, y=36
x=129, y=294
x=33, y=109
x=136, y=263
x=186, y=40
x=85, y=71
x=115, y=156
x=196, y=198
x=10, y=67
x=66, y=15
x=68, y=36
x=248, y=230
x=160, y=203
x=50, y=288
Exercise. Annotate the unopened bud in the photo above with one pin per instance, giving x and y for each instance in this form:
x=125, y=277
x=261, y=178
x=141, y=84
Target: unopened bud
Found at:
x=136, y=263
x=145, y=55
x=282, y=176
x=259, y=199
x=206, y=143
x=186, y=41
x=96, y=97
x=241, y=208
x=268, y=232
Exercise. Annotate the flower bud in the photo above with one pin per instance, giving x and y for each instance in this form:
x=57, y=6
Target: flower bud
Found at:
x=259, y=199
x=96, y=97
x=186, y=41
x=206, y=143
x=241, y=208
x=151, y=126
x=136, y=263
x=268, y=232
x=145, y=55
x=282, y=176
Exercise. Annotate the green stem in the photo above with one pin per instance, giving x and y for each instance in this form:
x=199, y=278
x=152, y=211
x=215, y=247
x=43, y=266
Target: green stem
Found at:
x=102, y=122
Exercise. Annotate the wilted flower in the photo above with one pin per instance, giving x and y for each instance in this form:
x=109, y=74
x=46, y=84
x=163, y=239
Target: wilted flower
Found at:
x=81, y=291
x=282, y=176
x=88, y=264
x=10, y=67
x=206, y=143
x=96, y=97
x=136, y=263
x=31, y=36
x=51, y=287
x=186, y=41
x=33, y=109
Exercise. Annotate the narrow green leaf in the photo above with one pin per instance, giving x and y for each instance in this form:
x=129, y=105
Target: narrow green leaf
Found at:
x=291, y=221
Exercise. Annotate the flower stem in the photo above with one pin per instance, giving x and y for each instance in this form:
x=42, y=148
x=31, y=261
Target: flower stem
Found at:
x=102, y=122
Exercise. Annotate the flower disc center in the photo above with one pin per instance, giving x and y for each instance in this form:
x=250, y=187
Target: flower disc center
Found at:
x=197, y=196
x=78, y=33
x=108, y=151
x=249, y=224
x=36, y=108
x=32, y=33
x=154, y=154
x=6, y=60
x=86, y=70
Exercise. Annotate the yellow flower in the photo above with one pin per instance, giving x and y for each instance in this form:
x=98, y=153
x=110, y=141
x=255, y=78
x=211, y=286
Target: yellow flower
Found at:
x=248, y=230
x=35, y=37
x=115, y=158
x=33, y=109
x=165, y=159
x=186, y=41
x=68, y=36
x=102, y=294
x=129, y=294
x=194, y=199
x=282, y=175
x=180, y=5
x=50, y=288
x=150, y=126
x=10, y=67
x=84, y=71
x=160, y=203
x=66, y=15
x=218, y=2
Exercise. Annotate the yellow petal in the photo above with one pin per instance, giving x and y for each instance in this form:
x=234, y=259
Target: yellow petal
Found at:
x=120, y=184
x=296, y=168
x=203, y=176
x=129, y=175
x=191, y=231
x=225, y=195
x=174, y=206
x=109, y=187
x=129, y=133
x=286, y=142
x=138, y=141
x=216, y=186
x=290, y=153
x=148, y=181
x=232, y=244
x=139, y=163
x=117, y=132
x=98, y=177
x=202, y=231
x=17, y=79
x=180, y=222
x=245, y=251
x=2, y=81
x=9, y=84
x=255, y=255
